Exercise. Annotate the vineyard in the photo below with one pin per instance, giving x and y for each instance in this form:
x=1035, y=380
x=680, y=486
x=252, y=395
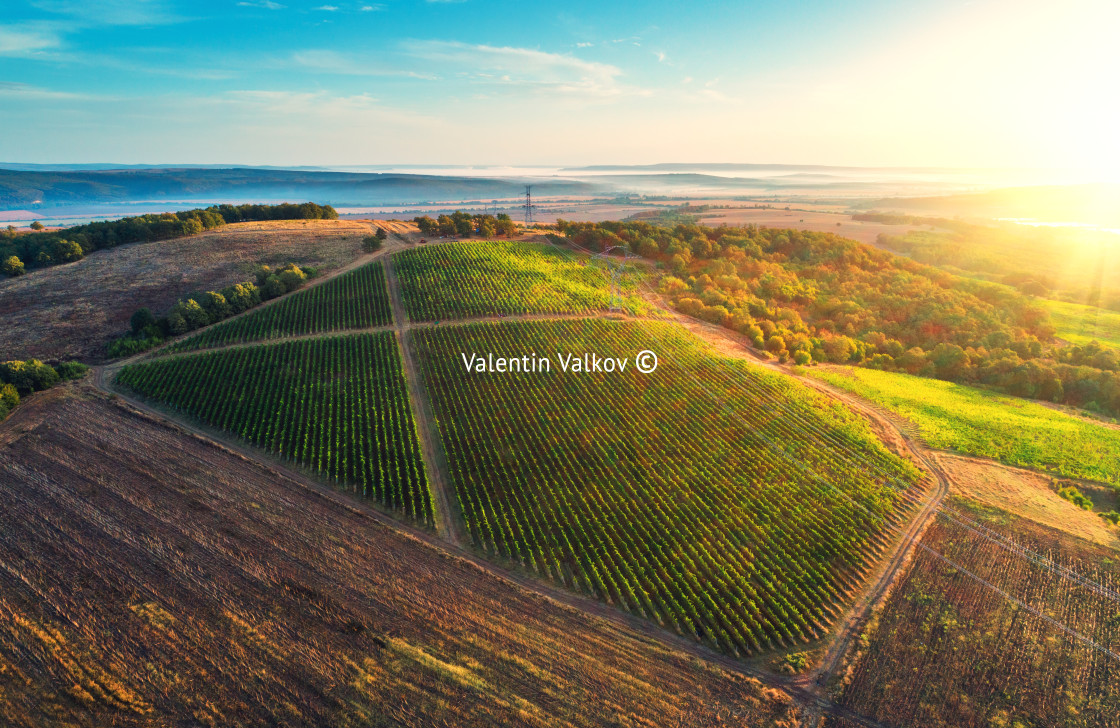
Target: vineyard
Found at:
x=730, y=504
x=461, y=280
x=978, y=422
x=354, y=300
x=337, y=406
x=951, y=651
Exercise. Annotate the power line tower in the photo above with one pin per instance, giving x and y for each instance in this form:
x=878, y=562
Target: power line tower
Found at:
x=528, y=206
x=614, y=267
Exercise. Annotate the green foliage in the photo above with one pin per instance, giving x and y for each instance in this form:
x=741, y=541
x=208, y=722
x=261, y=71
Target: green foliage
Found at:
x=354, y=300
x=463, y=224
x=458, y=280
x=1076, y=497
x=9, y=399
x=28, y=376
x=1112, y=517
x=839, y=301
x=142, y=319
x=682, y=495
x=71, y=370
x=372, y=243
x=979, y=422
x=12, y=266
x=336, y=406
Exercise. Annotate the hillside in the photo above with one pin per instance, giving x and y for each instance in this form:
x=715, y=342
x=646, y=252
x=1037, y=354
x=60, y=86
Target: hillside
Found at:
x=243, y=597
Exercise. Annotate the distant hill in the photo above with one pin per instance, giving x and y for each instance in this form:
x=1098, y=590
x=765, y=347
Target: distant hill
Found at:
x=50, y=188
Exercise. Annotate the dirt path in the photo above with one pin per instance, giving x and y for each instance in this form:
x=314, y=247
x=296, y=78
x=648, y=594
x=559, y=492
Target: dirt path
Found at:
x=449, y=518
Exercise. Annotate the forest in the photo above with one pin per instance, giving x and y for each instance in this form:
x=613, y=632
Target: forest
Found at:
x=19, y=251
x=809, y=297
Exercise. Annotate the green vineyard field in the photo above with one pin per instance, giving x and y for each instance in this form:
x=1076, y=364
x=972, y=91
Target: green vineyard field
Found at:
x=337, y=406
x=461, y=280
x=731, y=504
x=354, y=300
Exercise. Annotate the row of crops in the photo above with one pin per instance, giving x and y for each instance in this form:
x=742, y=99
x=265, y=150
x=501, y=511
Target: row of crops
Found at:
x=724, y=502
x=355, y=300
x=337, y=406
x=462, y=280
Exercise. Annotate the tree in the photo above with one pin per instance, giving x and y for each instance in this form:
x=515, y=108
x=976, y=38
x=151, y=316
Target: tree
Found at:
x=141, y=319
x=372, y=243
x=13, y=266
x=36, y=225
x=381, y=234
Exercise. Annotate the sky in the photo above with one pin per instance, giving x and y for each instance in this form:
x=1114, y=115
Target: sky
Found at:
x=948, y=83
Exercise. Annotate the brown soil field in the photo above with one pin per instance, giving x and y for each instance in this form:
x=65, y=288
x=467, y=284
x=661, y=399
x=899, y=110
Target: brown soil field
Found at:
x=1030, y=495
x=149, y=577
x=72, y=311
x=992, y=638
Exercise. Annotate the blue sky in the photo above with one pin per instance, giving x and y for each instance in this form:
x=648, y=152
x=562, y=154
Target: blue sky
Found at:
x=486, y=82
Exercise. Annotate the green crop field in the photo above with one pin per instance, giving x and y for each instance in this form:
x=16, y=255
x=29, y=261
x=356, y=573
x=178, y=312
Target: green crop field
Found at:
x=354, y=300
x=1080, y=324
x=336, y=405
x=978, y=422
x=728, y=503
x=460, y=280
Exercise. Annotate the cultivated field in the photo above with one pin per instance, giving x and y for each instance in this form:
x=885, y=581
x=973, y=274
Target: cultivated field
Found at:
x=816, y=220
x=1080, y=324
x=978, y=422
x=150, y=578
x=726, y=503
x=354, y=300
x=336, y=406
x=74, y=310
x=459, y=280
x=991, y=638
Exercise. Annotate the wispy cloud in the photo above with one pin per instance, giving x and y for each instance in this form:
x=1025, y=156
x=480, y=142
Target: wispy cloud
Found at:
x=112, y=12
x=326, y=61
x=9, y=89
x=371, y=8
x=524, y=67
x=328, y=8
x=28, y=40
x=266, y=4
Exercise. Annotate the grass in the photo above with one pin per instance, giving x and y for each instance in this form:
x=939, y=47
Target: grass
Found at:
x=1081, y=324
x=977, y=422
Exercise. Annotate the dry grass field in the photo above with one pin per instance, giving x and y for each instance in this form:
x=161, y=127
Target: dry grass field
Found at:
x=820, y=221
x=151, y=578
x=1031, y=495
x=72, y=311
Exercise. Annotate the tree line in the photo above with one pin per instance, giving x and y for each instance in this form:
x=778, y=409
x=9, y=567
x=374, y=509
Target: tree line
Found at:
x=20, y=251
x=203, y=309
x=809, y=297
x=20, y=378
x=464, y=225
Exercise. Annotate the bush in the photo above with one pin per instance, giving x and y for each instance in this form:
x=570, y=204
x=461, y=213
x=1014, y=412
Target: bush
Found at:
x=28, y=376
x=13, y=266
x=9, y=398
x=71, y=370
x=1076, y=497
x=141, y=319
x=372, y=243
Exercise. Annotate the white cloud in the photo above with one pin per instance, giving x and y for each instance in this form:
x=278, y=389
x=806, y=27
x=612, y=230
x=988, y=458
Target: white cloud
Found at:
x=266, y=4
x=372, y=8
x=328, y=8
x=526, y=67
x=27, y=40
x=660, y=56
